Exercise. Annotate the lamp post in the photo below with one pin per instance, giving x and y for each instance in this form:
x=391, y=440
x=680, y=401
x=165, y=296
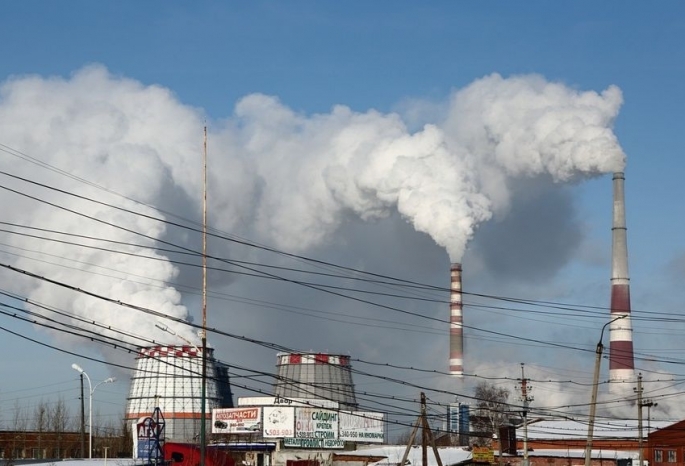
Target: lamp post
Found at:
x=595, y=383
x=76, y=367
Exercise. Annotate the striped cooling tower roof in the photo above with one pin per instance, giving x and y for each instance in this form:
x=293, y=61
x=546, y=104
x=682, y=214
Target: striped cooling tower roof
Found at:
x=170, y=377
x=315, y=376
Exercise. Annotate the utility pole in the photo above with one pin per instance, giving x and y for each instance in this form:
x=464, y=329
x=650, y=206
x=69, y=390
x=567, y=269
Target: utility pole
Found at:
x=595, y=384
x=638, y=390
x=649, y=404
x=83, y=422
x=426, y=437
x=525, y=399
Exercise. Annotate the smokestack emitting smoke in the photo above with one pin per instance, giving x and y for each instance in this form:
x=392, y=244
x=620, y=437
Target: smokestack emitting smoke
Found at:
x=456, y=323
x=287, y=179
x=621, y=365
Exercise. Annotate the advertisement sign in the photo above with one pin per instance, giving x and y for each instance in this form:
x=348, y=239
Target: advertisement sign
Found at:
x=281, y=401
x=316, y=423
x=359, y=426
x=145, y=447
x=236, y=420
x=313, y=443
x=146, y=438
x=279, y=421
x=483, y=455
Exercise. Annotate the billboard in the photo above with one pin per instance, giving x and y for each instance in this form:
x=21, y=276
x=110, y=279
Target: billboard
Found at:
x=316, y=423
x=148, y=437
x=313, y=443
x=236, y=420
x=144, y=438
x=359, y=426
x=279, y=421
x=483, y=455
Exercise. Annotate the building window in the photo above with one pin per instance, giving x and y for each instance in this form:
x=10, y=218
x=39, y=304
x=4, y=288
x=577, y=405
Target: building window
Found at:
x=658, y=456
x=671, y=456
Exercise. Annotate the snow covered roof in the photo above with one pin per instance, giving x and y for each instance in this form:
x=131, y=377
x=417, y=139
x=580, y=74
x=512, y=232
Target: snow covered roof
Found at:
x=571, y=429
x=393, y=454
x=580, y=453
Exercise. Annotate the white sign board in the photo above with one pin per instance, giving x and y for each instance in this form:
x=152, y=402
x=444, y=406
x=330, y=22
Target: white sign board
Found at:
x=316, y=423
x=359, y=426
x=279, y=421
x=317, y=443
x=236, y=420
x=280, y=401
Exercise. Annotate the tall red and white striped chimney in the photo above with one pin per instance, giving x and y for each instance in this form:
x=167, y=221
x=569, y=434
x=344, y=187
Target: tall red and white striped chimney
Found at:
x=456, y=323
x=621, y=364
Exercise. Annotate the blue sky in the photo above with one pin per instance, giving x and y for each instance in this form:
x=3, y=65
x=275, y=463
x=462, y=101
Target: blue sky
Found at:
x=391, y=57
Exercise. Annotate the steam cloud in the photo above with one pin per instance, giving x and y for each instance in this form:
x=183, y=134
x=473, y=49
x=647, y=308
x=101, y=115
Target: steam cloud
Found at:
x=281, y=177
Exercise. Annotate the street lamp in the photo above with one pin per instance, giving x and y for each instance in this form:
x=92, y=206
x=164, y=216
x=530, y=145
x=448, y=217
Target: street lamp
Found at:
x=595, y=382
x=76, y=367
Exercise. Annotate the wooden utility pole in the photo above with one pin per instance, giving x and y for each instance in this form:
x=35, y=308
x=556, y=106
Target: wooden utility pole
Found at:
x=638, y=390
x=426, y=437
x=526, y=399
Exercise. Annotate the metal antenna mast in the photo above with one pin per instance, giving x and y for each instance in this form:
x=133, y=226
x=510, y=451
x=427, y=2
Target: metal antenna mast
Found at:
x=203, y=402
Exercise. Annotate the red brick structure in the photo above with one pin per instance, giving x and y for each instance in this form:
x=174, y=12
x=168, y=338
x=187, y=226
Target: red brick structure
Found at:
x=666, y=447
x=620, y=444
x=16, y=445
x=29, y=444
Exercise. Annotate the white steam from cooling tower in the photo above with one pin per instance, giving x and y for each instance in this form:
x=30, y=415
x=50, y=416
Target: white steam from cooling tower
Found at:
x=277, y=176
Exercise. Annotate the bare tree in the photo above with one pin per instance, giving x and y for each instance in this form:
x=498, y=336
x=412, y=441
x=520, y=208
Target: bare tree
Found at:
x=58, y=422
x=20, y=426
x=40, y=423
x=19, y=417
x=126, y=446
x=491, y=411
x=40, y=416
x=404, y=438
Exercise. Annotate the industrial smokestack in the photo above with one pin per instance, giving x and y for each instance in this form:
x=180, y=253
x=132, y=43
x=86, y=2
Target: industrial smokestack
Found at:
x=456, y=323
x=621, y=365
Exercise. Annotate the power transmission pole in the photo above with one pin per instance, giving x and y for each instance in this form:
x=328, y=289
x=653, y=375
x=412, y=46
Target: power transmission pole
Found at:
x=593, y=400
x=426, y=437
x=525, y=399
x=640, y=404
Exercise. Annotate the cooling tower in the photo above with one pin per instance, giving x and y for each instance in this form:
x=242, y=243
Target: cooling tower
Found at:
x=315, y=376
x=456, y=323
x=170, y=377
x=621, y=365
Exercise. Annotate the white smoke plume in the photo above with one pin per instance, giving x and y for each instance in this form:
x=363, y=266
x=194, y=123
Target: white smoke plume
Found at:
x=444, y=179
x=280, y=177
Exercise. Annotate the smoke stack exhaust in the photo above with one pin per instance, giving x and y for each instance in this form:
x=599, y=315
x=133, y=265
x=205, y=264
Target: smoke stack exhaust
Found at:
x=621, y=364
x=456, y=323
